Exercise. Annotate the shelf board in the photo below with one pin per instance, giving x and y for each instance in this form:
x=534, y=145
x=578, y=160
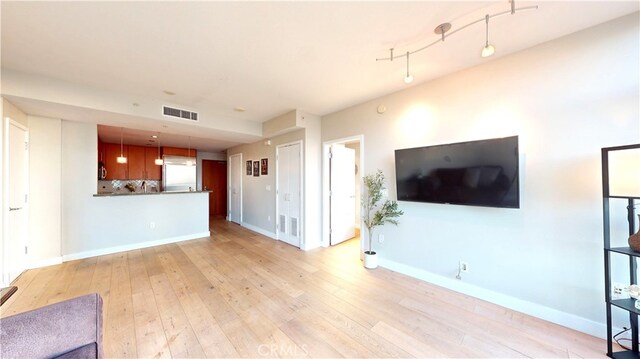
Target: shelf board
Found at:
x=626, y=304
x=625, y=355
x=624, y=250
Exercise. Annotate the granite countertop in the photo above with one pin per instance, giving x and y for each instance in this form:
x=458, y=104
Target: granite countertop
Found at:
x=118, y=194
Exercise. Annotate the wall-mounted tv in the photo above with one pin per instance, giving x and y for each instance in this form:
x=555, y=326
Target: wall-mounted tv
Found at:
x=475, y=173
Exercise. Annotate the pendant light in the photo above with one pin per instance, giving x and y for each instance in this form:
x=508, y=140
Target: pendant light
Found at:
x=487, y=50
x=122, y=159
x=159, y=160
x=189, y=161
x=408, y=79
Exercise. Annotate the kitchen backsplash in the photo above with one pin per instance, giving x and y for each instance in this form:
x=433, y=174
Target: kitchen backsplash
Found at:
x=118, y=186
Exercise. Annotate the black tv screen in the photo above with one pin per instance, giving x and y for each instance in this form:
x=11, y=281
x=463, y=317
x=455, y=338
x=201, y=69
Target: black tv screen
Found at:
x=476, y=173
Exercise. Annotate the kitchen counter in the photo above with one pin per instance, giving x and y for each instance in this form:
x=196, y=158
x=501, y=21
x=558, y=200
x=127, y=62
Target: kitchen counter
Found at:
x=125, y=194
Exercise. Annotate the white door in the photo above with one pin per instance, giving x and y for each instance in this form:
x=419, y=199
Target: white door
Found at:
x=288, y=192
x=17, y=182
x=235, y=188
x=342, y=187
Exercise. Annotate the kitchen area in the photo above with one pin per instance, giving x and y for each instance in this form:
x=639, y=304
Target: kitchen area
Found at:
x=150, y=188
x=134, y=169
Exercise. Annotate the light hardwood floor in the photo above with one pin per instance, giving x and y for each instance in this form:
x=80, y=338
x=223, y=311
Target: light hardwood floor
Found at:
x=240, y=294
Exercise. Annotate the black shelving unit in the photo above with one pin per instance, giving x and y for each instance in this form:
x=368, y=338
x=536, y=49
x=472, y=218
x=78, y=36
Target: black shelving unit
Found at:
x=624, y=304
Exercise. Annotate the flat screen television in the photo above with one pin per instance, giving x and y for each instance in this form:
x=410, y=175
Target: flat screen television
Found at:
x=475, y=173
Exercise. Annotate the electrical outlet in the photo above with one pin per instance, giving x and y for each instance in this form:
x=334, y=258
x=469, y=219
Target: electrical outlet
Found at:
x=152, y=225
x=464, y=267
x=381, y=238
x=620, y=291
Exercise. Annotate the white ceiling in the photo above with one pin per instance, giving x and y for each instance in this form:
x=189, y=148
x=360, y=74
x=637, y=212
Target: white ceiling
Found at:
x=267, y=57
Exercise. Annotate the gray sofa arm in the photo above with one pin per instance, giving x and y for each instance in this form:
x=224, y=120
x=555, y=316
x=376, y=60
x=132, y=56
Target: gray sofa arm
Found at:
x=68, y=329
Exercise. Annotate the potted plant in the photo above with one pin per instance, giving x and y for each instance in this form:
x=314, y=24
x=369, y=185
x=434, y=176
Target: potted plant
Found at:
x=375, y=214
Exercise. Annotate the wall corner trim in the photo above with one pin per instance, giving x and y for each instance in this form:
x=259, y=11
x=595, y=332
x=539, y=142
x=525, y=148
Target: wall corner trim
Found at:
x=572, y=321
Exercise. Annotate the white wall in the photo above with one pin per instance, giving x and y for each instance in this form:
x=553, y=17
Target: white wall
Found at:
x=312, y=181
x=45, y=171
x=258, y=202
x=356, y=148
x=96, y=225
x=565, y=99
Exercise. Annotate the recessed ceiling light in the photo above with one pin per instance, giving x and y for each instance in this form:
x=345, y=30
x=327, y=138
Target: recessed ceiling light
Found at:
x=165, y=126
x=135, y=104
x=239, y=109
x=154, y=136
x=170, y=93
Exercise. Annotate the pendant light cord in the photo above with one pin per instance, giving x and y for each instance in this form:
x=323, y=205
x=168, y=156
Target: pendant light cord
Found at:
x=407, y=63
x=121, y=139
x=487, y=29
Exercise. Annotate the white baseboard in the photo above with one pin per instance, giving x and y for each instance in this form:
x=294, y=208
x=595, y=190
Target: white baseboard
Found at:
x=45, y=262
x=572, y=321
x=129, y=247
x=258, y=230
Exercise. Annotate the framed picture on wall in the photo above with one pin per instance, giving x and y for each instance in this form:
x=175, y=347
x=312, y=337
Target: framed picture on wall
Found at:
x=264, y=166
x=249, y=168
x=256, y=168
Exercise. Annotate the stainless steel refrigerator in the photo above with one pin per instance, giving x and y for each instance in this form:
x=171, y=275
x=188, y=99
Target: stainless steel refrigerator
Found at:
x=179, y=174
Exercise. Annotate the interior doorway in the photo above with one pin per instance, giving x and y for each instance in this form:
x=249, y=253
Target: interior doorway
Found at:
x=214, y=179
x=16, y=189
x=343, y=167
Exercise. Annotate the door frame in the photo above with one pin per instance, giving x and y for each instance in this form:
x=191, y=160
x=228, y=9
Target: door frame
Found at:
x=277, y=197
x=5, y=197
x=326, y=215
x=229, y=196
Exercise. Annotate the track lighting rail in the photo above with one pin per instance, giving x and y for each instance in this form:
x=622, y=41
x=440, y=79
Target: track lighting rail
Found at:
x=443, y=30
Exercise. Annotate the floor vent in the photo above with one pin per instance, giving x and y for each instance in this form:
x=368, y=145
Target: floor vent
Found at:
x=176, y=112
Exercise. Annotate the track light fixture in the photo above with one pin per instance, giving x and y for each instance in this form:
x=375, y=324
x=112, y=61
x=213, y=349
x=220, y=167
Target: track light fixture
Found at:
x=488, y=50
x=443, y=32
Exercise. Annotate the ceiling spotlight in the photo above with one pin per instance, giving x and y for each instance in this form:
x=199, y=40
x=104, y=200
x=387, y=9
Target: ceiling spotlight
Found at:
x=408, y=79
x=239, y=109
x=170, y=93
x=487, y=50
x=154, y=136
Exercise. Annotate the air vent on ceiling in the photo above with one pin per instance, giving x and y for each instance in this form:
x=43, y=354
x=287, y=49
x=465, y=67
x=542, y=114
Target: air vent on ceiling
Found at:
x=176, y=112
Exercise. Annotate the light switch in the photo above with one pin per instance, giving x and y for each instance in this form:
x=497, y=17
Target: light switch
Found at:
x=268, y=187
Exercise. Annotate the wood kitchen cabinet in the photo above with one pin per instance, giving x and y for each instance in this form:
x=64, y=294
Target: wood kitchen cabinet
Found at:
x=154, y=171
x=136, y=162
x=115, y=170
x=176, y=151
x=100, y=151
x=142, y=164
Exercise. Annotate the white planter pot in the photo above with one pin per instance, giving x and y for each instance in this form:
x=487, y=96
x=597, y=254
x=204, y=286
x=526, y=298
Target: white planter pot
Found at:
x=370, y=260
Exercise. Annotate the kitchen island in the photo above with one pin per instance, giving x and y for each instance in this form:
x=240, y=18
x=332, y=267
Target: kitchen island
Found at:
x=123, y=221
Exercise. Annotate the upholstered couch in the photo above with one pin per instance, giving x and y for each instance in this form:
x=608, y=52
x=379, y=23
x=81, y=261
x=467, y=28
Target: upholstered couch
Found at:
x=68, y=329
